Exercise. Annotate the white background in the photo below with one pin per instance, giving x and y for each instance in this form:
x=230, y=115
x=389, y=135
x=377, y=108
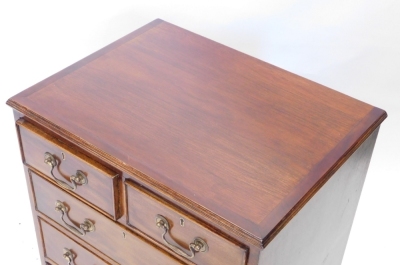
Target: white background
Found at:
x=352, y=46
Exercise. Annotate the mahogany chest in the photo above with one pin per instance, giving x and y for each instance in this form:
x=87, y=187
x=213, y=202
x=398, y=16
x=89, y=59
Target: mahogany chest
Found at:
x=168, y=148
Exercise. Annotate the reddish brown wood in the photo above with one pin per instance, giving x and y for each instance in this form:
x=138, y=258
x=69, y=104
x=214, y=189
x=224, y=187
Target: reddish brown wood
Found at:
x=55, y=242
x=240, y=142
x=102, y=181
x=118, y=243
x=143, y=206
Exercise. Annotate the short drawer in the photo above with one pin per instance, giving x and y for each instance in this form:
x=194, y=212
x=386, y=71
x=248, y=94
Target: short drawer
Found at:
x=62, y=250
x=70, y=169
x=178, y=230
x=109, y=237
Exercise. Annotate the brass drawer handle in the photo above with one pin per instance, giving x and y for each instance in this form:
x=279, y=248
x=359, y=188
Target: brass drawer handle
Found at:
x=69, y=256
x=79, y=177
x=198, y=244
x=85, y=227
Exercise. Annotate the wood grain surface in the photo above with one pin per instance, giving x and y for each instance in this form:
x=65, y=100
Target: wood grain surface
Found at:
x=237, y=140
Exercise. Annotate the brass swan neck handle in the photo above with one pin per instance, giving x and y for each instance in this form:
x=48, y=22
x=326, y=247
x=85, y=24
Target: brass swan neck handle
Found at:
x=78, y=179
x=85, y=227
x=198, y=244
x=69, y=256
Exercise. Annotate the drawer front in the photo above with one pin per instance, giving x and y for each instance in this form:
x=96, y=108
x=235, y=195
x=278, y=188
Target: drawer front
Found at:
x=101, y=183
x=107, y=236
x=184, y=234
x=62, y=250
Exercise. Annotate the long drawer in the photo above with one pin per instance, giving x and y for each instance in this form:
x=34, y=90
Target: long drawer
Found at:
x=107, y=236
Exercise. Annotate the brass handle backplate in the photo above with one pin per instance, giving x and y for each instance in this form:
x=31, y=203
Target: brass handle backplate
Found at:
x=78, y=179
x=198, y=244
x=85, y=227
x=69, y=256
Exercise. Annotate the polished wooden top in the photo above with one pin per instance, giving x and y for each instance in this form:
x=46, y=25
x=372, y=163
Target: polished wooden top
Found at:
x=242, y=142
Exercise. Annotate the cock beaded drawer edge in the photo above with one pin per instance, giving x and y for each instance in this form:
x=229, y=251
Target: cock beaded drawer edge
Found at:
x=165, y=147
